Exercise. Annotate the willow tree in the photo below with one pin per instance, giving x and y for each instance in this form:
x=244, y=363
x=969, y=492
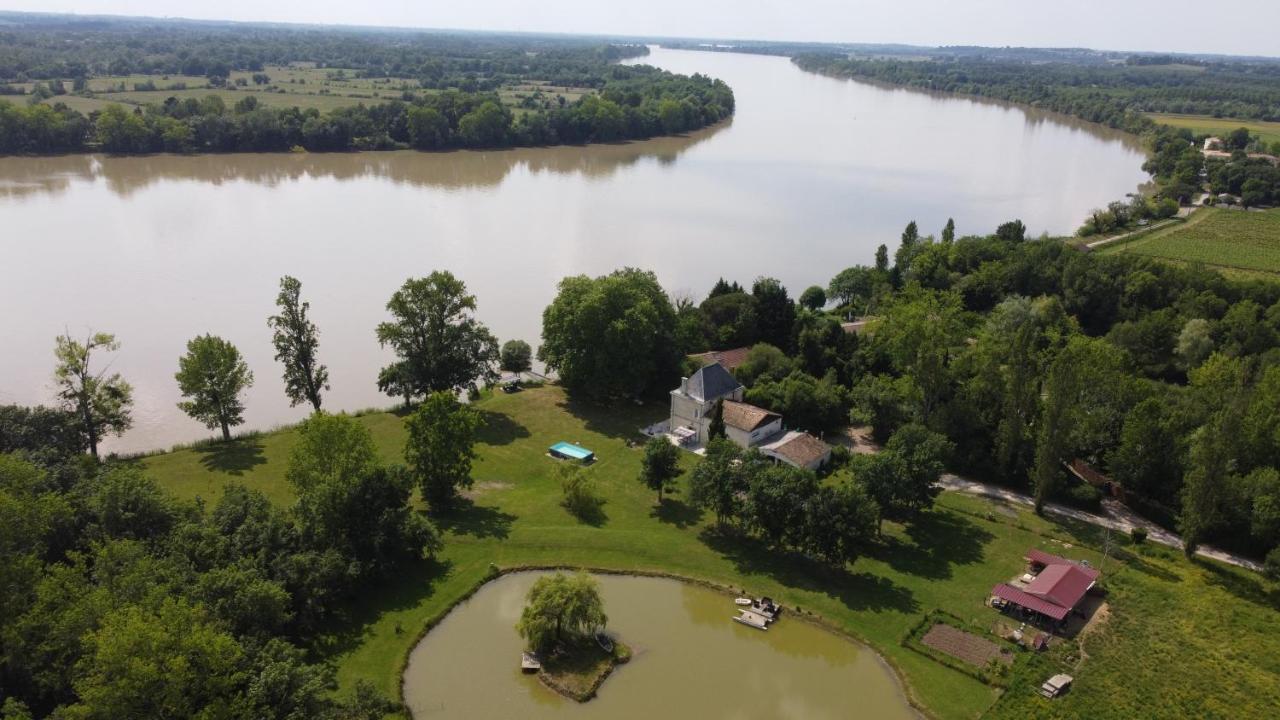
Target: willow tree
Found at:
x=297, y=341
x=99, y=401
x=560, y=609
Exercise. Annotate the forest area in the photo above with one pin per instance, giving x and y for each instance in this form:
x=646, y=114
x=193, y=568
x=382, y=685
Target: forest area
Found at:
x=433, y=91
x=1023, y=355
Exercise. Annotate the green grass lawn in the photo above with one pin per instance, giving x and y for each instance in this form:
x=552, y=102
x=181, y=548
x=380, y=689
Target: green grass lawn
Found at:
x=1229, y=239
x=1183, y=639
x=1268, y=131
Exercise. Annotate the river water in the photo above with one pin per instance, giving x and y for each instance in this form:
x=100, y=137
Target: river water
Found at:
x=690, y=662
x=809, y=177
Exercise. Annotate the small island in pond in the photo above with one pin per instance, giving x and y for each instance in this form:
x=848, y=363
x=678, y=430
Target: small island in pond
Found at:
x=563, y=623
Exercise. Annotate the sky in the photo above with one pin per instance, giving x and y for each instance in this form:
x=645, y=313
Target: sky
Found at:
x=1249, y=28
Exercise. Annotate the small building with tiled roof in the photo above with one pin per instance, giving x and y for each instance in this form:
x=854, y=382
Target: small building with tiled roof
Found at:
x=730, y=359
x=1056, y=590
x=748, y=425
x=798, y=449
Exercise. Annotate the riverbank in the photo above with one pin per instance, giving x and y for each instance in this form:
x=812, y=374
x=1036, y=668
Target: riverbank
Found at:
x=579, y=672
x=948, y=560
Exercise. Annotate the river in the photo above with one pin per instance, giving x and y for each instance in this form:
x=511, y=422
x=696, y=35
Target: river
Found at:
x=808, y=178
x=690, y=661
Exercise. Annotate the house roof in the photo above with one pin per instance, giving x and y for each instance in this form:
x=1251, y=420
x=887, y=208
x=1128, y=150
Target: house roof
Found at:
x=730, y=359
x=1062, y=585
x=1041, y=557
x=710, y=383
x=799, y=448
x=747, y=417
x=1008, y=592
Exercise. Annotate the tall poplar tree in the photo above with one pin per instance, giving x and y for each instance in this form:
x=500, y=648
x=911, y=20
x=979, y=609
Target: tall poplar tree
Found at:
x=297, y=340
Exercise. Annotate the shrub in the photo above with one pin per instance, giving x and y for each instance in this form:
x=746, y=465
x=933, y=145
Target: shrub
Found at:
x=1138, y=535
x=1084, y=497
x=1272, y=564
x=579, y=495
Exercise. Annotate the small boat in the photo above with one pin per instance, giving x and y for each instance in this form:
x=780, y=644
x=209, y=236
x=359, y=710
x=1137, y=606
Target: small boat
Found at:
x=751, y=619
x=744, y=601
x=529, y=662
x=605, y=642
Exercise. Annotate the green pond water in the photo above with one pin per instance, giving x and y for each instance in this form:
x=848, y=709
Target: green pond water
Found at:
x=690, y=661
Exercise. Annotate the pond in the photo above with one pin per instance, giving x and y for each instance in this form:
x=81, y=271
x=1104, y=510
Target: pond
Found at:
x=808, y=178
x=691, y=661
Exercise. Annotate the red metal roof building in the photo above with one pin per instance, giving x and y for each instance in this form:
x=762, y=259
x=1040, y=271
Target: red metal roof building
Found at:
x=1055, y=591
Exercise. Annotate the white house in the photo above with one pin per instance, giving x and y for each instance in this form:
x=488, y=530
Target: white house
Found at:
x=693, y=402
x=748, y=426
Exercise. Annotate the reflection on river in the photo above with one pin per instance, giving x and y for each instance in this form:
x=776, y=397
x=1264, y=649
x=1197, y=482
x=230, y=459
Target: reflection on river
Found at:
x=461, y=170
x=691, y=662
x=810, y=176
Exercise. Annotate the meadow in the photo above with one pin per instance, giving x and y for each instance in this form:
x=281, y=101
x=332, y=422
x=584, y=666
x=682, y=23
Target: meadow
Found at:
x=1232, y=240
x=1181, y=639
x=1269, y=132
x=302, y=86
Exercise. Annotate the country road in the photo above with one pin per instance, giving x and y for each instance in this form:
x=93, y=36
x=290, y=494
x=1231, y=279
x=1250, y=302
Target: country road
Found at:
x=1116, y=516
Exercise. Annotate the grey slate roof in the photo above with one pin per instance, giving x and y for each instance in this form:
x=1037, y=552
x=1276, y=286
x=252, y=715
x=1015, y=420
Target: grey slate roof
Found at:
x=711, y=382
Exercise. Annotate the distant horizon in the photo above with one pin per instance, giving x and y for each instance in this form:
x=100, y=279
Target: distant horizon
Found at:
x=623, y=36
x=992, y=24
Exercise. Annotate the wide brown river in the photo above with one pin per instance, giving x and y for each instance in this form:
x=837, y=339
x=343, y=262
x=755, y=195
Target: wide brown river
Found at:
x=809, y=177
x=691, y=662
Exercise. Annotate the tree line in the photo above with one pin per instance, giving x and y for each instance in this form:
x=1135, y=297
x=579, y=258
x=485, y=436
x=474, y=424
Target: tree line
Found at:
x=1113, y=95
x=635, y=103
x=45, y=47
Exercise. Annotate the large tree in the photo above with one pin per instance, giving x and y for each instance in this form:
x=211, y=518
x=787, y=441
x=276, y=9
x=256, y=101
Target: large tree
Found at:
x=839, y=522
x=921, y=332
x=719, y=480
x=439, y=344
x=1006, y=365
x=170, y=662
x=903, y=478
x=440, y=447
x=1086, y=396
x=612, y=335
x=330, y=448
x=516, y=356
x=348, y=502
x=660, y=466
x=100, y=401
x=297, y=340
x=775, y=312
x=561, y=608
x=212, y=375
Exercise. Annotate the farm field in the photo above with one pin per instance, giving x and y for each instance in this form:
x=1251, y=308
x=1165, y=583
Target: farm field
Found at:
x=305, y=101
x=1158, y=653
x=1268, y=131
x=1232, y=240
x=323, y=89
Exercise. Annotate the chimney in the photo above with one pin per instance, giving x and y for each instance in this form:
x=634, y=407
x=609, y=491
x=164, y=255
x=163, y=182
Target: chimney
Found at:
x=684, y=385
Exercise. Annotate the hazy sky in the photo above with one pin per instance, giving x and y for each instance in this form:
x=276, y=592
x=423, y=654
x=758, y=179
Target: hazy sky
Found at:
x=1248, y=27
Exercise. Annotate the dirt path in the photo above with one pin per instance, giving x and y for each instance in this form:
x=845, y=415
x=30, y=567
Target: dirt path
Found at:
x=1115, y=516
x=1124, y=236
